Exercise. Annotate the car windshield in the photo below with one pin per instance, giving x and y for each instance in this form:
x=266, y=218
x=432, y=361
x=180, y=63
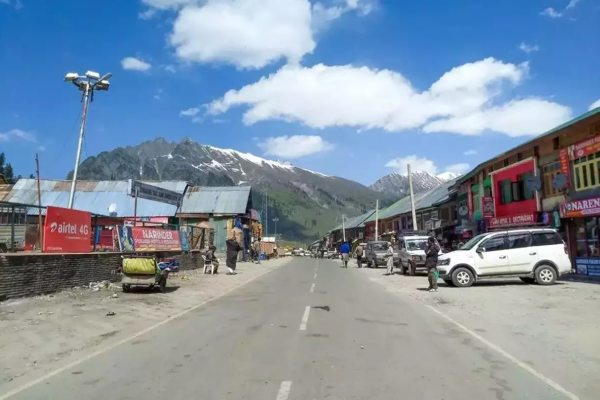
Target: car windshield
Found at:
x=417, y=244
x=383, y=246
x=472, y=243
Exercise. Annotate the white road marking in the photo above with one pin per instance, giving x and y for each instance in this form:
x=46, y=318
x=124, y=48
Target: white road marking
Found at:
x=509, y=356
x=305, y=318
x=312, y=288
x=315, y=276
x=284, y=390
x=122, y=341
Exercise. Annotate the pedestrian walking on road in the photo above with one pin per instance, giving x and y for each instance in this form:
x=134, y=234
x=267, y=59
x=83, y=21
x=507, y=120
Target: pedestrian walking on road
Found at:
x=233, y=248
x=389, y=255
x=345, y=252
x=359, y=255
x=431, y=258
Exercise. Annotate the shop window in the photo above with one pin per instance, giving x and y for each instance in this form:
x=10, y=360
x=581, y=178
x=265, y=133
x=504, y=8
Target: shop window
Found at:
x=587, y=172
x=591, y=232
x=516, y=191
x=505, y=191
x=527, y=192
x=549, y=172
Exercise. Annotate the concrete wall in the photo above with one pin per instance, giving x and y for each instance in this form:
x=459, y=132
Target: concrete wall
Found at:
x=34, y=274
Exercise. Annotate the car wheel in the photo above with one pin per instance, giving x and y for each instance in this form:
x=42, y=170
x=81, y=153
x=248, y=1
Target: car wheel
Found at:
x=545, y=275
x=412, y=270
x=462, y=277
x=449, y=282
x=527, y=279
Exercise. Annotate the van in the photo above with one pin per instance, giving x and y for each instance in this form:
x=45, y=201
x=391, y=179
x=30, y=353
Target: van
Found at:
x=534, y=255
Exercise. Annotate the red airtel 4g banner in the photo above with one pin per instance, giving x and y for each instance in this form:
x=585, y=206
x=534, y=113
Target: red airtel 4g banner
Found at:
x=67, y=231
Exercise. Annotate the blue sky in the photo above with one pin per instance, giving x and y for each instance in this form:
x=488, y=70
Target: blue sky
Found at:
x=355, y=88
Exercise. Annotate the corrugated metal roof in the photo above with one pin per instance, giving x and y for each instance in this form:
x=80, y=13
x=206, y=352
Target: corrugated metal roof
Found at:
x=97, y=197
x=229, y=200
x=422, y=201
x=354, y=222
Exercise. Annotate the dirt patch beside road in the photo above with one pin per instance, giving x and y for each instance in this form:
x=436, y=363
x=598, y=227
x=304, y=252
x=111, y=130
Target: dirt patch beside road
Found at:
x=40, y=334
x=552, y=328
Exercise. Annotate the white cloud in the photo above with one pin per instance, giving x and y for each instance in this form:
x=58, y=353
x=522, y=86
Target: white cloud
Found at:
x=250, y=34
x=417, y=164
x=515, y=118
x=572, y=4
x=190, y=112
x=170, y=68
x=245, y=33
x=135, y=64
x=458, y=168
x=17, y=134
x=41, y=148
x=295, y=146
x=324, y=14
x=551, y=12
x=528, y=48
x=463, y=100
x=470, y=152
x=595, y=104
x=422, y=164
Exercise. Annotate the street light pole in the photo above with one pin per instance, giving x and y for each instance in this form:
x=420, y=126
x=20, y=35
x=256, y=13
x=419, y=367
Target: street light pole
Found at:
x=85, y=100
x=87, y=83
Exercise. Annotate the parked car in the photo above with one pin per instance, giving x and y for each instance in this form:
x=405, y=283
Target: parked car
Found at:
x=376, y=251
x=411, y=250
x=534, y=255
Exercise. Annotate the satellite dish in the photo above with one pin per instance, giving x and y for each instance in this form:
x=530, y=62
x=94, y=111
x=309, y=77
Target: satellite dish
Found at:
x=112, y=209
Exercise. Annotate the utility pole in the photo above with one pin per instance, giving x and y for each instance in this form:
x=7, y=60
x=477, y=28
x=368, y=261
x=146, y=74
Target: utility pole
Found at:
x=275, y=220
x=343, y=227
x=267, y=214
x=377, y=220
x=39, y=196
x=87, y=84
x=412, y=199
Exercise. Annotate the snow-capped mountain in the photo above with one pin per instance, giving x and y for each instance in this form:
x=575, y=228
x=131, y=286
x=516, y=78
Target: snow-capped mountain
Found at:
x=448, y=176
x=307, y=203
x=396, y=184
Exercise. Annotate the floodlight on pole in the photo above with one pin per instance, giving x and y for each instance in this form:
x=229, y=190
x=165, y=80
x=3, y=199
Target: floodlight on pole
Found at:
x=88, y=83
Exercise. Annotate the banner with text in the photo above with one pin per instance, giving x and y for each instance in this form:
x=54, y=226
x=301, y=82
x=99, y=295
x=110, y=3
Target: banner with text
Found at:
x=150, y=239
x=67, y=231
x=513, y=220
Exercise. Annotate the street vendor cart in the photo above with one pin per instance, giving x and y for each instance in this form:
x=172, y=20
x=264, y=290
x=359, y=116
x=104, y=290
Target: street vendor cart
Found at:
x=143, y=271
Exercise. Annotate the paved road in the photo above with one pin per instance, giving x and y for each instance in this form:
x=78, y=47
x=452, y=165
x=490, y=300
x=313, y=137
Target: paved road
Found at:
x=354, y=341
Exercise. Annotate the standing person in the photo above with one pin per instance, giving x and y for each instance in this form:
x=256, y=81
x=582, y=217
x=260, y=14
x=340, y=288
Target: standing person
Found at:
x=359, y=255
x=389, y=255
x=256, y=250
x=431, y=259
x=345, y=252
x=233, y=248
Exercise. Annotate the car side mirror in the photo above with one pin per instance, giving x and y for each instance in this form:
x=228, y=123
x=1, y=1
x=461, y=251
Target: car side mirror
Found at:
x=480, y=250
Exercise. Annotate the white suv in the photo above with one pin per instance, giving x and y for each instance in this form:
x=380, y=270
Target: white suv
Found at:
x=534, y=255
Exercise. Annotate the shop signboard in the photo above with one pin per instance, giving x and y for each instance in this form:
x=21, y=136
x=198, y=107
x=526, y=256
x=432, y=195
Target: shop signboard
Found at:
x=513, y=220
x=585, y=148
x=580, y=208
x=588, y=266
x=565, y=166
x=67, y=231
x=487, y=206
x=150, y=239
x=155, y=193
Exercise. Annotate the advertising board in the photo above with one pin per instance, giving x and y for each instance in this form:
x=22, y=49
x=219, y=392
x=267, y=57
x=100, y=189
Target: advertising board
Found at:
x=67, y=231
